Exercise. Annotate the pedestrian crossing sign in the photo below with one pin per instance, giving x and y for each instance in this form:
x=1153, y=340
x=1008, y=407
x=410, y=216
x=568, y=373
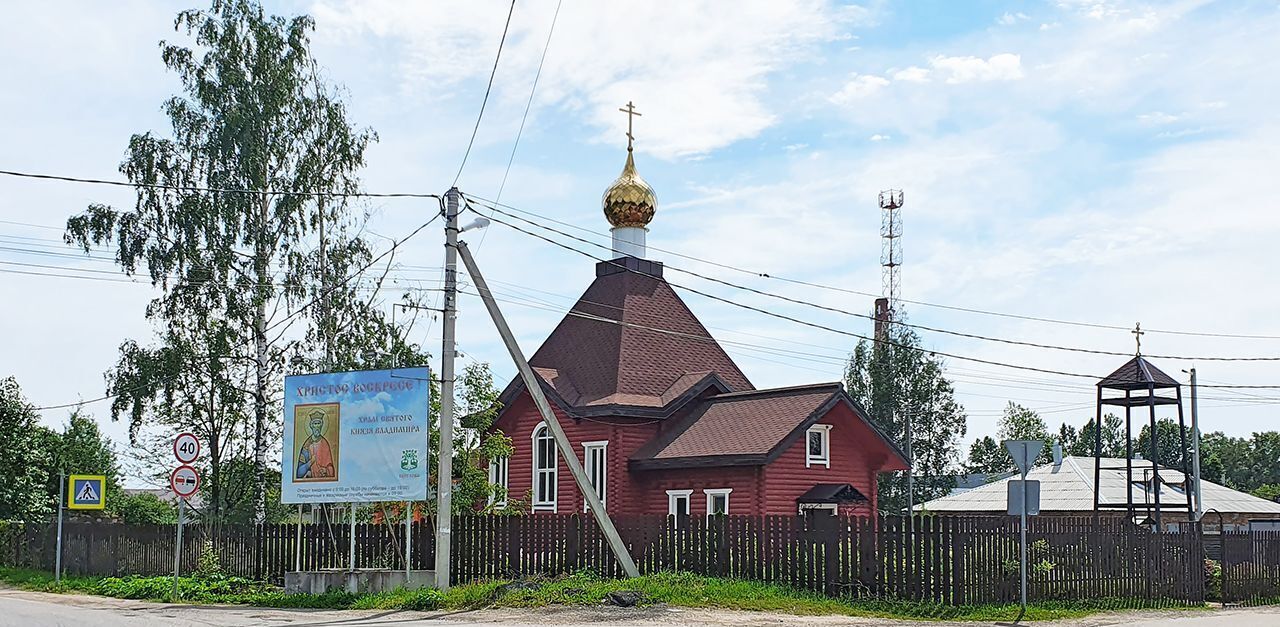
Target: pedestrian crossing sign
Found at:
x=87, y=492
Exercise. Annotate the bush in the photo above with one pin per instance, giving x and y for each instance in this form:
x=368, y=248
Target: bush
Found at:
x=1212, y=580
x=143, y=509
x=208, y=566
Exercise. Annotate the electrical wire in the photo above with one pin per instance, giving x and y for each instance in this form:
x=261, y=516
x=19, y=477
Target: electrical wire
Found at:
x=293, y=314
x=833, y=288
x=825, y=327
x=525, y=116
x=845, y=312
x=529, y=104
x=192, y=188
x=502, y=42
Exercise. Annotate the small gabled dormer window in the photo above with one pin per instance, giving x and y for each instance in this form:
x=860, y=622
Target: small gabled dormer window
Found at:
x=817, y=441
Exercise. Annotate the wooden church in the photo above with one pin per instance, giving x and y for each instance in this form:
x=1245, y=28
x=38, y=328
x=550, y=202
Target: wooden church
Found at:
x=662, y=418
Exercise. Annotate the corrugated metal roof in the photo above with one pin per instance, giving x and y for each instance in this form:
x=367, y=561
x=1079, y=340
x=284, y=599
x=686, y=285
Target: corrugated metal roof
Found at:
x=1069, y=487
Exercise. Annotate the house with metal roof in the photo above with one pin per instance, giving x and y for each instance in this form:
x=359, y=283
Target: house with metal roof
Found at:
x=1066, y=488
x=663, y=419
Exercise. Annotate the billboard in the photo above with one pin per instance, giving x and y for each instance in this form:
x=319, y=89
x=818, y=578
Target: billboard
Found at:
x=356, y=436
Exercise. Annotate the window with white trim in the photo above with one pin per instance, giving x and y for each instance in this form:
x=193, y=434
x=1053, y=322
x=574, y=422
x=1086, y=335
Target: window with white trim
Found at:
x=678, y=502
x=594, y=463
x=817, y=446
x=544, y=469
x=499, y=483
x=717, y=501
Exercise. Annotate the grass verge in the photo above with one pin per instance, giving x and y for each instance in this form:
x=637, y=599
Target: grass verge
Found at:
x=676, y=589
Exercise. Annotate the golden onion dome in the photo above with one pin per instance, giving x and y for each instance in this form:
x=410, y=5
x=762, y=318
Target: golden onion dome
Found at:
x=629, y=201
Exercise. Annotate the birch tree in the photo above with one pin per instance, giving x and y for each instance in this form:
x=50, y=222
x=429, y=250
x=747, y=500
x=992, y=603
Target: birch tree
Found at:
x=229, y=203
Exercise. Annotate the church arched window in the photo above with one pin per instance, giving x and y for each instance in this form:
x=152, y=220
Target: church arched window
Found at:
x=544, y=468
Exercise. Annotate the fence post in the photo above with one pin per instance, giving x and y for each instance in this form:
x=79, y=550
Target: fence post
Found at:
x=573, y=543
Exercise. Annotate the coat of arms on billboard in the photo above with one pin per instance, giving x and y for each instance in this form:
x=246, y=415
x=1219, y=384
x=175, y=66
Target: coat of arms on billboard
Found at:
x=316, y=427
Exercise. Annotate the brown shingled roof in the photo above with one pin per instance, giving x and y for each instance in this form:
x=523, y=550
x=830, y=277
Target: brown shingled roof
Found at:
x=658, y=352
x=750, y=423
x=1137, y=373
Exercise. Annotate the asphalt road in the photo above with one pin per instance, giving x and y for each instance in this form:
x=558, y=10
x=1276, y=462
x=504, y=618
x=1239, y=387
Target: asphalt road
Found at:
x=32, y=609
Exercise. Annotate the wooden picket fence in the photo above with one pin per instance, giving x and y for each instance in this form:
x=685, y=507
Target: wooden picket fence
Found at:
x=947, y=560
x=1251, y=567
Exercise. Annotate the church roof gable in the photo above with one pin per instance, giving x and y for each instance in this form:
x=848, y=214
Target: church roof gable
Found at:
x=630, y=340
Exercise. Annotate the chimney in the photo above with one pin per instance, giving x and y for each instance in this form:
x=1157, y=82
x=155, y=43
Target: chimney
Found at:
x=1057, y=453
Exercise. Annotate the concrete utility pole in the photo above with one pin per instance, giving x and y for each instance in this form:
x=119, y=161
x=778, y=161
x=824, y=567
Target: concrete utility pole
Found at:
x=1195, y=449
x=444, y=467
x=544, y=408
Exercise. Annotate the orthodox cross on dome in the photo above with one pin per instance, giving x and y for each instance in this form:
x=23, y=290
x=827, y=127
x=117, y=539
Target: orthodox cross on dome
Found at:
x=631, y=112
x=1137, y=337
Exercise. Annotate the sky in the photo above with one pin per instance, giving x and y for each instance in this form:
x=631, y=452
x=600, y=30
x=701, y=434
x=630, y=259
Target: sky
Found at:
x=1103, y=162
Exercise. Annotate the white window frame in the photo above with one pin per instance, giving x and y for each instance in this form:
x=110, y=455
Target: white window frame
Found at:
x=500, y=475
x=714, y=492
x=672, y=495
x=602, y=490
x=811, y=460
x=545, y=505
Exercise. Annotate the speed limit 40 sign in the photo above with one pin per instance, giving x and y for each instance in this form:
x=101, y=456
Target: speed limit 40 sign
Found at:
x=186, y=447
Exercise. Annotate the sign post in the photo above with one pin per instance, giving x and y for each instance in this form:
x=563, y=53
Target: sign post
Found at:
x=1024, y=453
x=57, y=560
x=184, y=481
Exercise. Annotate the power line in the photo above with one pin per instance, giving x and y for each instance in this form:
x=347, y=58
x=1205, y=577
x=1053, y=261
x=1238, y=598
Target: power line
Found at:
x=28, y=224
x=489, y=88
x=825, y=327
x=793, y=319
x=529, y=104
x=193, y=188
x=525, y=116
x=293, y=314
x=833, y=288
x=973, y=336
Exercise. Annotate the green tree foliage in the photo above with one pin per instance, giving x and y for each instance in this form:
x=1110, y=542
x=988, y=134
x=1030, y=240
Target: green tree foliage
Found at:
x=1245, y=464
x=1169, y=443
x=897, y=379
x=1021, y=423
x=475, y=444
x=987, y=456
x=24, y=457
x=1269, y=491
x=238, y=270
x=79, y=449
x=1112, y=438
x=142, y=508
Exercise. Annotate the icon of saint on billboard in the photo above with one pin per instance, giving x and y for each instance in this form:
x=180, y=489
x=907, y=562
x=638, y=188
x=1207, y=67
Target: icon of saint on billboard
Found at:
x=315, y=433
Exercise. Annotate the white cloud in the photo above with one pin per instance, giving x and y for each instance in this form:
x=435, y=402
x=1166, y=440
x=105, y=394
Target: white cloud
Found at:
x=913, y=74
x=1000, y=67
x=859, y=86
x=697, y=72
x=1158, y=118
x=1009, y=19
x=879, y=138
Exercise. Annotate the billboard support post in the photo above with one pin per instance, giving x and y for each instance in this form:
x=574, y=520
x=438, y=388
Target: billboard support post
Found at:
x=297, y=544
x=352, y=537
x=408, y=539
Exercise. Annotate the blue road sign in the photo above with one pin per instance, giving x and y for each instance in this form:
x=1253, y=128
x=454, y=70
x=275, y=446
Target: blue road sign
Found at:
x=87, y=492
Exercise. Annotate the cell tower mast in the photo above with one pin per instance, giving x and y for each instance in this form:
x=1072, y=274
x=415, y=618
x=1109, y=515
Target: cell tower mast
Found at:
x=891, y=201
